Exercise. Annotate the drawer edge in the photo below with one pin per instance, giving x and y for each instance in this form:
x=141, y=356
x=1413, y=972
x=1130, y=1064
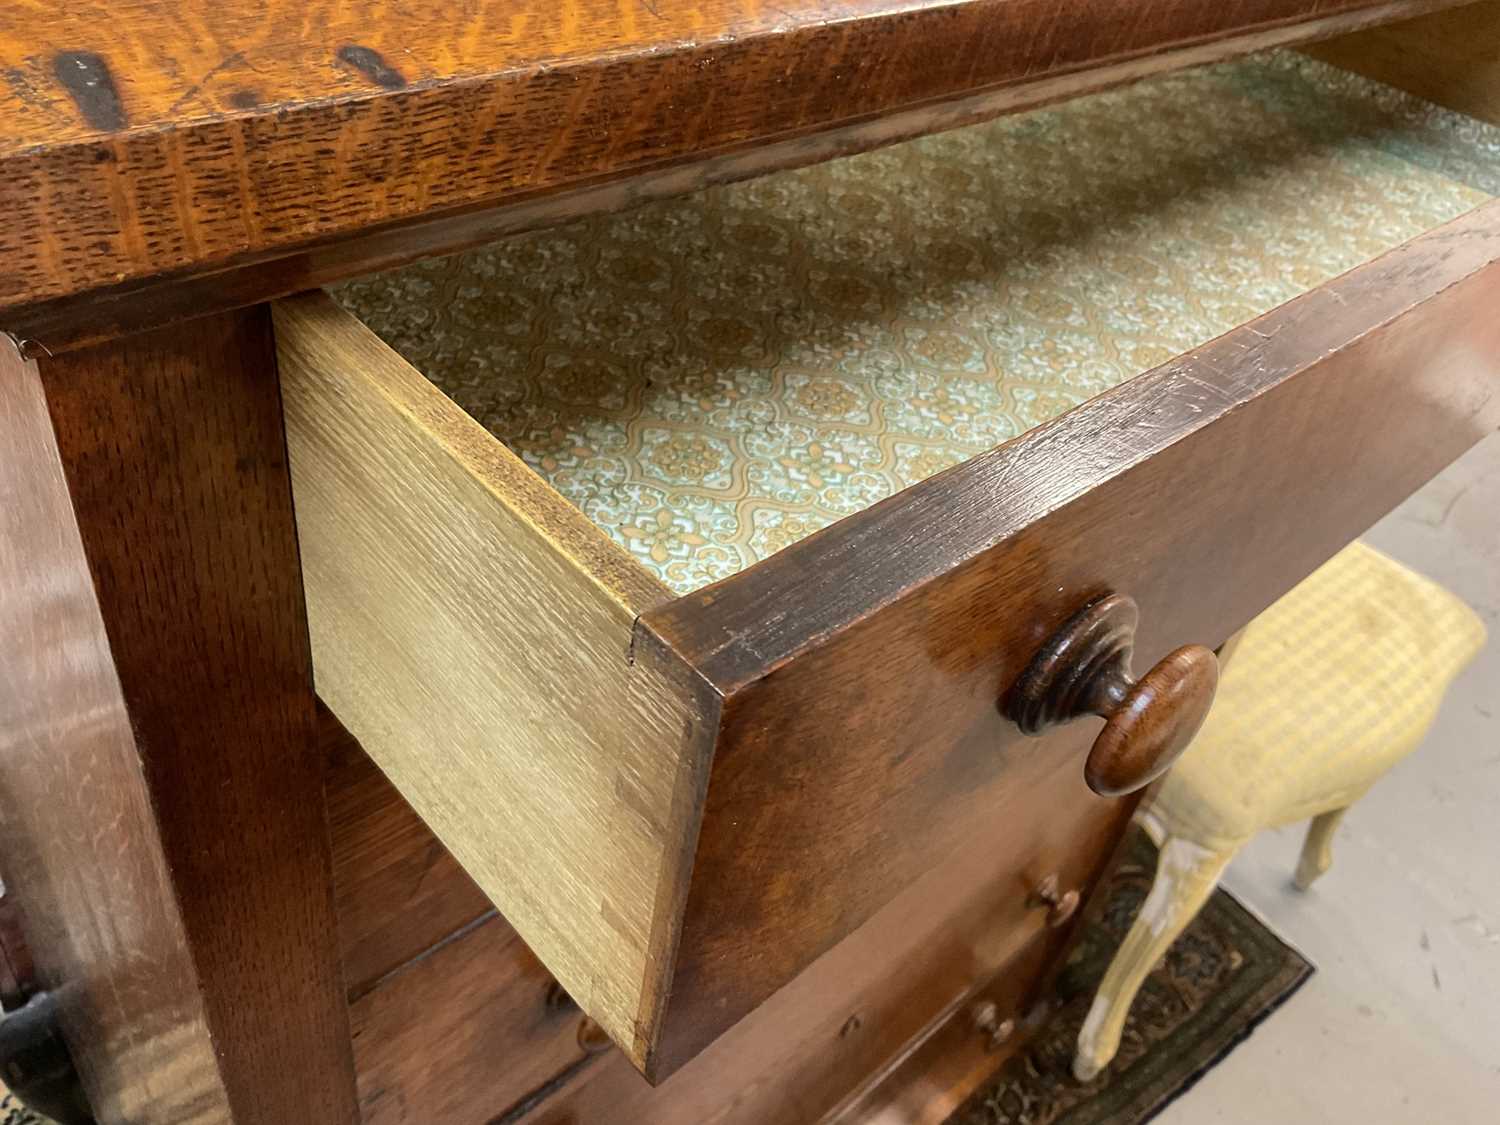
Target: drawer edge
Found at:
x=743, y=628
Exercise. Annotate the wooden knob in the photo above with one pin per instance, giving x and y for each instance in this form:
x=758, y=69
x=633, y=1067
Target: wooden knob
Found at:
x=986, y=1017
x=591, y=1037
x=1060, y=904
x=1084, y=669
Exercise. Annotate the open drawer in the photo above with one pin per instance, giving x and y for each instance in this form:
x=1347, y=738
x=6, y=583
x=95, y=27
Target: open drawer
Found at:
x=718, y=661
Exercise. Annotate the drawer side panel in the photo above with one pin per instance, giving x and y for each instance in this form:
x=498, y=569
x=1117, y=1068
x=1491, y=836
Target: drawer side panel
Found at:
x=473, y=632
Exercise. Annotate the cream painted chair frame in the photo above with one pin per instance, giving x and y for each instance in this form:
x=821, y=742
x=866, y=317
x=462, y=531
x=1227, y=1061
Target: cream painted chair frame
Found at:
x=1328, y=690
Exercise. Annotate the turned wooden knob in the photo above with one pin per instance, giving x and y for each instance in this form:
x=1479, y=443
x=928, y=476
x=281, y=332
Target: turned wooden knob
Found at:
x=1084, y=669
x=1060, y=904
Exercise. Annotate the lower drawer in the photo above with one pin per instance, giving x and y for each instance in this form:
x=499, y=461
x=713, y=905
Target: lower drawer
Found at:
x=397, y=890
x=470, y=1032
x=464, y=1033
x=682, y=798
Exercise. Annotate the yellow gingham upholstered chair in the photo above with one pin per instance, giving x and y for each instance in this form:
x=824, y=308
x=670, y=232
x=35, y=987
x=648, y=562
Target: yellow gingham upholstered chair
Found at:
x=1322, y=694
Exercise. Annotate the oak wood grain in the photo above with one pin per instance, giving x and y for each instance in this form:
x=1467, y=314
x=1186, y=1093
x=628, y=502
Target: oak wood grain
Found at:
x=865, y=664
x=148, y=143
x=68, y=714
x=474, y=632
x=163, y=814
x=1450, y=57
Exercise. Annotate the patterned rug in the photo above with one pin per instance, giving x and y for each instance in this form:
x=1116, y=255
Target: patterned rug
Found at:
x=1225, y=975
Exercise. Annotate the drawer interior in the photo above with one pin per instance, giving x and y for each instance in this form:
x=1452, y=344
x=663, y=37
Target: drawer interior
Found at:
x=712, y=378
x=680, y=803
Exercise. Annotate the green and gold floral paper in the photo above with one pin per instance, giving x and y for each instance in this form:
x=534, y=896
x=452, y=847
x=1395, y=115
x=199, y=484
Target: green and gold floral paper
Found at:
x=712, y=378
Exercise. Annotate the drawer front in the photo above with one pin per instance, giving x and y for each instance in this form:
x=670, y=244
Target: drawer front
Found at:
x=453, y=1018
x=680, y=804
x=861, y=668
x=465, y=1035
x=398, y=892
x=970, y=929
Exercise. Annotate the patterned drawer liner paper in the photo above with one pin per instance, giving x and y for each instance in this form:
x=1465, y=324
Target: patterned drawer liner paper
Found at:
x=712, y=378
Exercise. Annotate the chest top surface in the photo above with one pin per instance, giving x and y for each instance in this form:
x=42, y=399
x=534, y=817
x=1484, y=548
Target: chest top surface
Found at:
x=148, y=139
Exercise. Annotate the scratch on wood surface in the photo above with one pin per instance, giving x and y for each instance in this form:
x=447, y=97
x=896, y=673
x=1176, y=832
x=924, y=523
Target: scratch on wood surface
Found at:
x=233, y=59
x=1211, y=390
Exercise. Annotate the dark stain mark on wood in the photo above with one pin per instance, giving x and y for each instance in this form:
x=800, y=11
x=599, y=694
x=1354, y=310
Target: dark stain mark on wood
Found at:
x=86, y=78
x=368, y=62
x=244, y=99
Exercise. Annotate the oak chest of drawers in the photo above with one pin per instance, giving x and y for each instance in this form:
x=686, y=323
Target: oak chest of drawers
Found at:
x=692, y=586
